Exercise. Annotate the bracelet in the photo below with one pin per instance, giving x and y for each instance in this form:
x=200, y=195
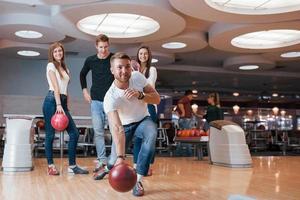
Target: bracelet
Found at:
x=120, y=156
x=58, y=104
x=141, y=96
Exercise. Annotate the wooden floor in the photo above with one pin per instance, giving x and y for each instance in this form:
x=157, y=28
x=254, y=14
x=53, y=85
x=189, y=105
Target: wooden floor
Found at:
x=174, y=178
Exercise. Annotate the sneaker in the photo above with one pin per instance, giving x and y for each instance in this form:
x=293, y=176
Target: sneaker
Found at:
x=77, y=170
x=99, y=165
x=138, y=189
x=100, y=173
x=52, y=171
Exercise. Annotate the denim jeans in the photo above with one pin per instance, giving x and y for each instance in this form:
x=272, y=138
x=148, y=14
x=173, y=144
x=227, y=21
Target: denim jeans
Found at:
x=138, y=142
x=185, y=123
x=98, y=120
x=146, y=130
x=49, y=109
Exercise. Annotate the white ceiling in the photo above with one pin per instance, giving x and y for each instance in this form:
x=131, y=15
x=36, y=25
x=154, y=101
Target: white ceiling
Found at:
x=208, y=63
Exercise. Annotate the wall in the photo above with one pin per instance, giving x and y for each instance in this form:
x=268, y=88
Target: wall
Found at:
x=28, y=77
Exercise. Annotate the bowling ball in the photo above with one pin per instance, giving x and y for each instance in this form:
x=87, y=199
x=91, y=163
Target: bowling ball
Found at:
x=40, y=124
x=122, y=177
x=59, y=121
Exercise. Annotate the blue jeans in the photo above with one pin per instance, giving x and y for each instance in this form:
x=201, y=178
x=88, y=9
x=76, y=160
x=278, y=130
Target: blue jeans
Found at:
x=98, y=120
x=138, y=142
x=49, y=109
x=185, y=123
x=146, y=130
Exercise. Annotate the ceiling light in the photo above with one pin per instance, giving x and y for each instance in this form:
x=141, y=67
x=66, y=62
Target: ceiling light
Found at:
x=28, y=53
x=275, y=110
x=154, y=60
x=236, y=109
x=194, y=91
x=236, y=94
x=174, y=45
x=28, y=34
x=118, y=25
x=275, y=95
x=291, y=54
x=248, y=67
x=267, y=39
x=255, y=7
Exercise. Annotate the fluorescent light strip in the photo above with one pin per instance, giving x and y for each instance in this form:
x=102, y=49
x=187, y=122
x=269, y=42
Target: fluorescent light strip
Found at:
x=28, y=53
x=248, y=67
x=174, y=45
x=28, y=34
x=291, y=54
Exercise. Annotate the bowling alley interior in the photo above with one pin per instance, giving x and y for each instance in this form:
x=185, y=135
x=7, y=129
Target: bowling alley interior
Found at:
x=227, y=73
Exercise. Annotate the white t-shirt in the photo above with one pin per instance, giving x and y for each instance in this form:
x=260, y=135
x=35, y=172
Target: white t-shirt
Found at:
x=152, y=76
x=62, y=83
x=129, y=110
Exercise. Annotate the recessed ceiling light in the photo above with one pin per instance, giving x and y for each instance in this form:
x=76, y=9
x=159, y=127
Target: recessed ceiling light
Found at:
x=267, y=39
x=118, y=25
x=28, y=34
x=154, y=60
x=255, y=7
x=236, y=94
x=28, y=53
x=174, y=45
x=275, y=95
x=248, y=67
x=291, y=54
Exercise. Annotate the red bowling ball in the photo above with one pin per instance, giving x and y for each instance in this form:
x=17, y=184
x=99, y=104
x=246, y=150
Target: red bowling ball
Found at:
x=122, y=177
x=59, y=121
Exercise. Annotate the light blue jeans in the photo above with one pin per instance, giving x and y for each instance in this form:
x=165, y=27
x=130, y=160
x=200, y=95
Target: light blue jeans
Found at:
x=98, y=120
x=185, y=123
x=146, y=130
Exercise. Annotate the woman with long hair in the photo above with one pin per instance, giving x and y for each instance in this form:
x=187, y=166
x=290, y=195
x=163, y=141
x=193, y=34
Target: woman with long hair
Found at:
x=56, y=101
x=144, y=58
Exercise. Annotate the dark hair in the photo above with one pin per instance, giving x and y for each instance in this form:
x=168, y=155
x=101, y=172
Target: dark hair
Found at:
x=52, y=59
x=216, y=98
x=188, y=92
x=102, y=38
x=119, y=55
x=148, y=64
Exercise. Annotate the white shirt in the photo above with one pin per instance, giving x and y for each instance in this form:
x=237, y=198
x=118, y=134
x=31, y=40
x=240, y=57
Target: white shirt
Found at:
x=152, y=76
x=129, y=110
x=62, y=82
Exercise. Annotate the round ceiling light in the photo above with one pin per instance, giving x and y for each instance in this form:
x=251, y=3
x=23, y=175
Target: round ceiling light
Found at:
x=267, y=39
x=248, y=67
x=257, y=7
x=174, y=45
x=154, y=60
x=28, y=34
x=28, y=53
x=118, y=25
x=291, y=54
x=236, y=94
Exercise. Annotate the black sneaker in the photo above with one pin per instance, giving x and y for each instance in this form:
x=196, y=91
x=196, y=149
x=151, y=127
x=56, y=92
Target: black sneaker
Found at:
x=100, y=173
x=77, y=170
x=138, y=189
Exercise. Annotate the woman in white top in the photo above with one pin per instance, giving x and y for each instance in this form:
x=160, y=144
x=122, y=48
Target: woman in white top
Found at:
x=56, y=101
x=144, y=58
